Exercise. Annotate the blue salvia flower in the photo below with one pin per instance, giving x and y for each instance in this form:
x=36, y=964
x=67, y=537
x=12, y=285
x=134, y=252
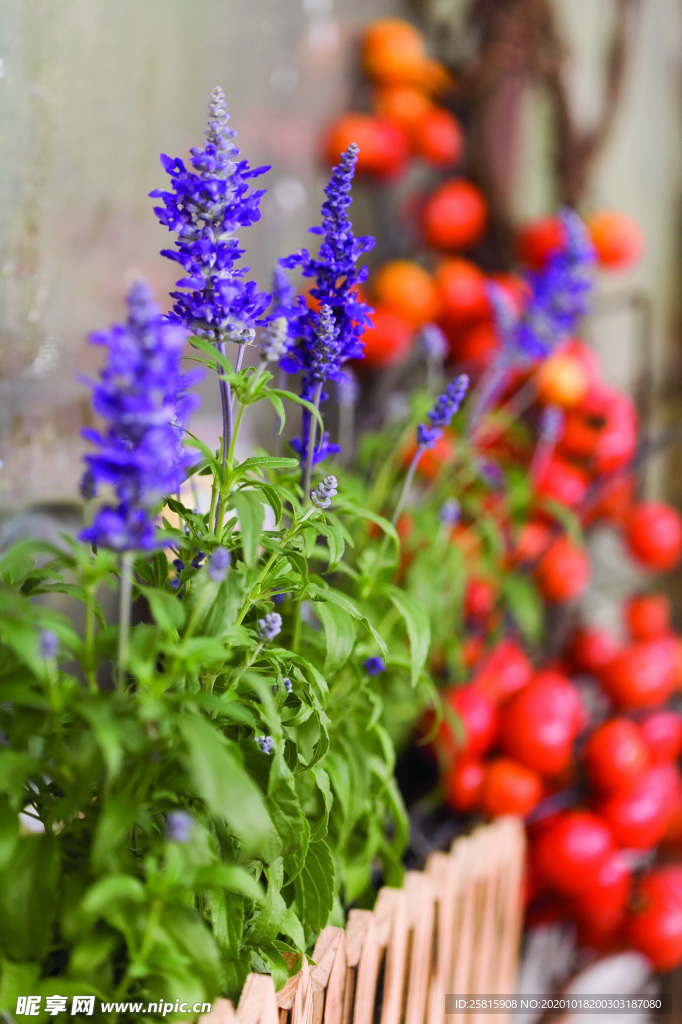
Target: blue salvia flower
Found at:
x=348, y=389
x=179, y=826
x=325, y=491
x=49, y=644
x=142, y=396
x=445, y=408
x=269, y=626
x=374, y=666
x=450, y=512
x=206, y=207
x=559, y=292
x=314, y=352
x=218, y=564
x=266, y=743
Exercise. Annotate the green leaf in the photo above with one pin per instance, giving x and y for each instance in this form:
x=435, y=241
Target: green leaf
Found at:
x=28, y=889
x=268, y=462
x=418, y=628
x=221, y=780
x=525, y=606
x=340, y=633
x=319, y=593
x=231, y=877
x=167, y=610
x=315, y=887
x=249, y=508
x=112, y=889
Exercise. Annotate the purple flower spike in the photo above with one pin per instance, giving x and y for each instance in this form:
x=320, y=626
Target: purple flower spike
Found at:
x=445, y=408
x=269, y=626
x=266, y=743
x=374, y=666
x=142, y=397
x=49, y=644
x=205, y=208
x=218, y=564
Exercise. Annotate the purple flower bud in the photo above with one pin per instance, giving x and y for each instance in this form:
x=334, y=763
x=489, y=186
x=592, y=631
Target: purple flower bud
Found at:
x=179, y=826
x=325, y=491
x=434, y=342
x=445, y=408
x=269, y=626
x=218, y=564
x=266, y=743
x=49, y=644
x=450, y=512
x=374, y=666
x=288, y=685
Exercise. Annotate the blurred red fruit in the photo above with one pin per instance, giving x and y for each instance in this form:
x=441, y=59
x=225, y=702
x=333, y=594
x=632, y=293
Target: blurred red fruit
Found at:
x=639, y=817
x=408, y=290
x=591, y=650
x=509, y=788
x=388, y=341
x=571, y=852
x=562, y=380
x=438, y=138
x=586, y=357
x=647, y=616
x=618, y=240
x=463, y=782
x=615, y=755
x=455, y=216
x=616, y=442
x=610, y=893
x=563, y=572
x=478, y=723
x=382, y=146
x=538, y=240
x=655, y=929
x=613, y=501
x=507, y=670
x=642, y=675
x=474, y=345
x=563, y=483
x=480, y=599
x=539, y=723
x=654, y=535
x=532, y=542
x=662, y=734
x=393, y=50
x=404, y=105
x=462, y=290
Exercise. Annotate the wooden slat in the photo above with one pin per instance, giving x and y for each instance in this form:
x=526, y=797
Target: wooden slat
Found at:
x=441, y=869
x=328, y=976
x=420, y=908
x=257, y=1004
x=362, y=962
x=390, y=915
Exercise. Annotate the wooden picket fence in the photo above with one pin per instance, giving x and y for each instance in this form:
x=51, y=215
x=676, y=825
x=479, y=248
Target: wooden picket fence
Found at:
x=453, y=928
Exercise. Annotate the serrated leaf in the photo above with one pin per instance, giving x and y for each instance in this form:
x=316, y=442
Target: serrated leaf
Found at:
x=315, y=887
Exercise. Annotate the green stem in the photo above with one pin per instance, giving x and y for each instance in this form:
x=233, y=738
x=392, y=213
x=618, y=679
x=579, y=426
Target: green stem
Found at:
x=90, y=640
x=125, y=606
x=312, y=430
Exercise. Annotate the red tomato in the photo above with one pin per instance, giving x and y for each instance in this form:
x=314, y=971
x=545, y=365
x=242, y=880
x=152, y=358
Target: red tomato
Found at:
x=509, y=788
x=656, y=931
x=388, y=341
x=579, y=436
x=463, y=782
x=614, y=500
x=538, y=725
x=462, y=289
x=408, y=290
x=394, y=51
x=480, y=598
x=562, y=380
x=563, y=572
x=616, y=755
x=639, y=817
x=665, y=883
x=563, y=483
x=616, y=442
x=540, y=239
x=438, y=138
x=617, y=239
x=405, y=105
x=654, y=535
x=642, y=675
x=571, y=852
x=473, y=345
x=382, y=146
x=611, y=891
x=662, y=734
x=587, y=358
x=591, y=649
x=507, y=670
x=477, y=714
x=600, y=930
x=532, y=541
x=455, y=216
x=647, y=616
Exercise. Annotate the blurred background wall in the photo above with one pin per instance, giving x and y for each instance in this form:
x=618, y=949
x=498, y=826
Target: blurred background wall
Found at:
x=92, y=92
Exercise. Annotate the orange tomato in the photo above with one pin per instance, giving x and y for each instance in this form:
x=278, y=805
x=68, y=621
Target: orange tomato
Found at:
x=616, y=238
x=388, y=340
x=562, y=380
x=455, y=216
x=407, y=289
x=393, y=50
x=382, y=145
x=438, y=138
x=404, y=105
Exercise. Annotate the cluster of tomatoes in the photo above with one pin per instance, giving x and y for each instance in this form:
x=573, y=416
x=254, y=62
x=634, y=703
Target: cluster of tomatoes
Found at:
x=410, y=126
